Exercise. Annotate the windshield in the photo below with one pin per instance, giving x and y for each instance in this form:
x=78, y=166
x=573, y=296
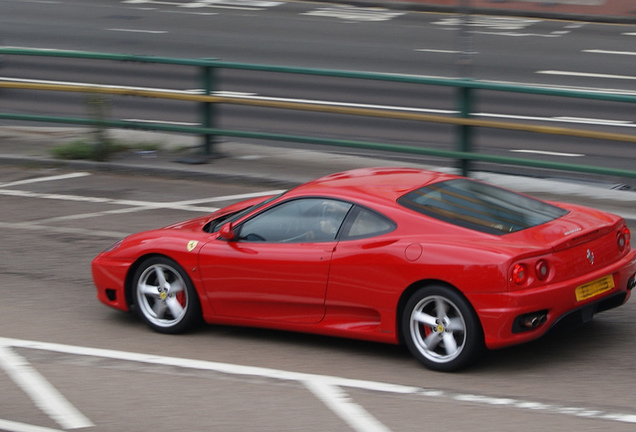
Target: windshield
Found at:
x=214, y=225
x=479, y=206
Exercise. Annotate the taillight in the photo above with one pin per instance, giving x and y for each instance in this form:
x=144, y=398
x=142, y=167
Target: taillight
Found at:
x=542, y=269
x=519, y=274
x=623, y=238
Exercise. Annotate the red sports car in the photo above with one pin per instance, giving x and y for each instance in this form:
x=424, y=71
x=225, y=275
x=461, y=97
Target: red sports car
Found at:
x=447, y=265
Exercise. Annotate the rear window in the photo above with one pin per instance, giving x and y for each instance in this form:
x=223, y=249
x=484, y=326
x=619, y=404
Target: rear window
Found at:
x=479, y=206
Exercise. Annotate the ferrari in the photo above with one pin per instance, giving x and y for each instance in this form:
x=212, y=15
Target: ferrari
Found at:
x=447, y=265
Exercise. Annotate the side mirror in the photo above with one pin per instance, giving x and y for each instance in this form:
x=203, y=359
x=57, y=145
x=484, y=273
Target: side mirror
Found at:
x=227, y=232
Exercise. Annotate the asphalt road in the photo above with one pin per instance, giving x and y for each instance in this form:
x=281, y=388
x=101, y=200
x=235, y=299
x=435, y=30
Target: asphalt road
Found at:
x=500, y=49
x=67, y=362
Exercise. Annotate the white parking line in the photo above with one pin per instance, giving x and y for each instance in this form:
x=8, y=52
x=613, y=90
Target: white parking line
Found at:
x=324, y=381
x=131, y=206
x=140, y=205
x=231, y=197
x=45, y=179
x=339, y=402
x=178, y=205
x=43, y=394
x=11, y=426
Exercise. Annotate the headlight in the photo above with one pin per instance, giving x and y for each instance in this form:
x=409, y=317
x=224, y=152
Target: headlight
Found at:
x=114, y=246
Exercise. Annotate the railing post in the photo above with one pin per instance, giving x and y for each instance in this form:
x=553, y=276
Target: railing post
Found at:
x=464, y=133
x=207, y=110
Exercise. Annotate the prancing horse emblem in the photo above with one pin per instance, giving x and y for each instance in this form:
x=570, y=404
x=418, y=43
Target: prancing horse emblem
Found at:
x=590, y=257
x=193, y=243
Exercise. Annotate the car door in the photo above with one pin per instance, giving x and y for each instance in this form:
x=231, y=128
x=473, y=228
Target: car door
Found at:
x=277, y=267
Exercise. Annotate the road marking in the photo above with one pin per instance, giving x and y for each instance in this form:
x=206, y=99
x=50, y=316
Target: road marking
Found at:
x=134, y=206
x=578, y=120
x=189, y=13
x=498, y=25
x=549, y=153
x=98, y=200
x=340, y=403
x=221, y=4
x=242, y=196
x=629, y=34
x=234, y=4
x=45, y=179
x=137, y=31
x=353, y=13
x=585, y=74
x=162, y=122
x=493, y=22
x=178, y=205
x=564, y=87
x=43, y=394
x=549, y=35
x=324, y=380
x=446, y=51
x=598, y=51
x=11, y=426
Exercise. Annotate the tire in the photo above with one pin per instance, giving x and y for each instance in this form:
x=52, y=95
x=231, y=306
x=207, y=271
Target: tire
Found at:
x=164, y=296
x=441, y=329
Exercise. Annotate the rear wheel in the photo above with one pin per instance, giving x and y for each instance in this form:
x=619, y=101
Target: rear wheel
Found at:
x=164, y=296
x=441, y=329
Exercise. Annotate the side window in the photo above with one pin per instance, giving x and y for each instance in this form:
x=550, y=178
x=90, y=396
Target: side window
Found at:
x=297, y=221
x=366, y=223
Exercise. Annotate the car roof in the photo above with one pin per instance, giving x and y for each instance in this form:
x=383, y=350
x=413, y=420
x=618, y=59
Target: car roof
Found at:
x=379, y=183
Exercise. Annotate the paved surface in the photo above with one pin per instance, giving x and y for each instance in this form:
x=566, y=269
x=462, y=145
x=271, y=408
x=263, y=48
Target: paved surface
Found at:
x=617, y=11
x=285, y=167
x=178, y=157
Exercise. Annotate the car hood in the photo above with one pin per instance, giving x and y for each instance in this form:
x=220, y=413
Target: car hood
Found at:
x=195, y=224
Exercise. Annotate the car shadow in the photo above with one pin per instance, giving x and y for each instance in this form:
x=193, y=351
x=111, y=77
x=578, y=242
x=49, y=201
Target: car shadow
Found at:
x=307, y=341
x=585, y=344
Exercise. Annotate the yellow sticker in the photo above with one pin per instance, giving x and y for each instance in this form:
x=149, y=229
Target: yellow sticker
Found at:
x=192, y=244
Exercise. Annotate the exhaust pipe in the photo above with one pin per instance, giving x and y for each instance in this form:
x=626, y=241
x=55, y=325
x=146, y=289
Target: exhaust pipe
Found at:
x=529, y=321
x=534, y=320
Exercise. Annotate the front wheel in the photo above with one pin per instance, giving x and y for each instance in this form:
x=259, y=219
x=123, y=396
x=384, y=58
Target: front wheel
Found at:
x=164, y=296
x=441, y=329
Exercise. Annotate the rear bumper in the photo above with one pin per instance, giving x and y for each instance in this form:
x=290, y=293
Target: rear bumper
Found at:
x=499, y=312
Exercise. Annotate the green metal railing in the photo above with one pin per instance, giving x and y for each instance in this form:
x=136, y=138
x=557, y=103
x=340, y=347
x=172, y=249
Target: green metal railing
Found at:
x=207, y=100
